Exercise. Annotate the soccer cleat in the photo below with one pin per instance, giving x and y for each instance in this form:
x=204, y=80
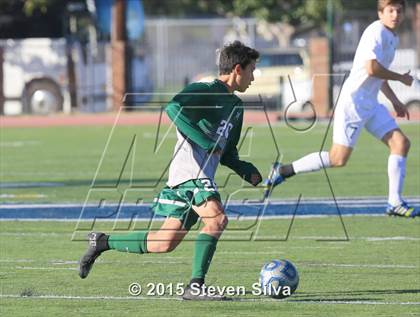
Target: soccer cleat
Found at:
x=274, y=179
x=91, y=254
x=200, y=293
x=402, y=210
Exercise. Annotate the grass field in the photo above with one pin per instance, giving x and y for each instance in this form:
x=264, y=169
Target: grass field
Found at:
x=375, y=273
x=58, y=164
x=370, y=275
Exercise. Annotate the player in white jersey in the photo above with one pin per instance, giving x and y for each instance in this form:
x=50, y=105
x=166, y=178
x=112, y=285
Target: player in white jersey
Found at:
x=358, y=107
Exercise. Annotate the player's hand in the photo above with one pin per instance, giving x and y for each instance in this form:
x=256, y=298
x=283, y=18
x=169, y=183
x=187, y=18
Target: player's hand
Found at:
x=401, y=110
x=218, y=152
x=407, y=79
x=256, y=178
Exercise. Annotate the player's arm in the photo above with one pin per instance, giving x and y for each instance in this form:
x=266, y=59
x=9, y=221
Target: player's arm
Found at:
x=189, y=128
x=375, y=69
x=245, y=170
x=184, y=110
x=399, y=107
x=230, y=158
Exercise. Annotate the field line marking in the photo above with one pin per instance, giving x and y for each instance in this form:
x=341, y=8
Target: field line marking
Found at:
x=369, y=239
x=354, y=201
x=379, y=266
x=50, y=268
x=57, y=264
x=161, y=218
x=118, y=298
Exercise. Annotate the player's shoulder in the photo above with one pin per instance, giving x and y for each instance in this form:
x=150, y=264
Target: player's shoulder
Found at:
x=376, y=30
x=203, y=87
x=197, y=87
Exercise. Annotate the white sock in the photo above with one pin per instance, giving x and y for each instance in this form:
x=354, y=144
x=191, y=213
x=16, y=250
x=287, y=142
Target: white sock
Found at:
x=396, y=174
x=312, y=162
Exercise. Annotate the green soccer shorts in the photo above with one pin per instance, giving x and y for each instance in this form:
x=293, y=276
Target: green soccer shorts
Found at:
x=176, y=202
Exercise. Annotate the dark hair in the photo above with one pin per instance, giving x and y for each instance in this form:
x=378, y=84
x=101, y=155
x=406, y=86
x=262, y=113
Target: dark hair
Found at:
x=383, y=3
x=236, y=53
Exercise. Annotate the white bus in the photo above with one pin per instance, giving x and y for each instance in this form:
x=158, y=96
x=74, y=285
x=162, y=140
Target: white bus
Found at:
x=46, y=75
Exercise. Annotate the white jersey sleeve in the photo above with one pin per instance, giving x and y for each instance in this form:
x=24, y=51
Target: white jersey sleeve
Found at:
x=370, y=45
x=377, y=43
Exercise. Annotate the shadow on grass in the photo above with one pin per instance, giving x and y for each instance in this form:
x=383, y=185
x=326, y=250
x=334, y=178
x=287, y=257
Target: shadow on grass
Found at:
x=343, y=296
x=102, y=183
x=360, y=292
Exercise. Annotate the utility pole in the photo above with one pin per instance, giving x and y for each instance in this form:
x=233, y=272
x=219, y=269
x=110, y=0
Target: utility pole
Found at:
x=417, y=30
x=330, y=34
x=119, y=48
x=1, y=82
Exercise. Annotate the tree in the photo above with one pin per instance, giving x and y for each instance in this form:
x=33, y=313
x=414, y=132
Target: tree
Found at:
x=31, y=18
x=298, y=13
x=294, y=12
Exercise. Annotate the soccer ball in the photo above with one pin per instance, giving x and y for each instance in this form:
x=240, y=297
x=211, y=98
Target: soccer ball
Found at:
x=279, y=279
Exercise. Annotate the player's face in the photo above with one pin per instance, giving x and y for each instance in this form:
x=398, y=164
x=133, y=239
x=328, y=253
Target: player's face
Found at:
x=245, y=77
x=391, y=16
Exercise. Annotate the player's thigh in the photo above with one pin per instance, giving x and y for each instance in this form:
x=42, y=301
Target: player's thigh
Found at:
x=210, y=208
x=348, y=124
x=207, y=202
x=212, y=214
x=381, y=123
x=176, y=203
x=397, y=142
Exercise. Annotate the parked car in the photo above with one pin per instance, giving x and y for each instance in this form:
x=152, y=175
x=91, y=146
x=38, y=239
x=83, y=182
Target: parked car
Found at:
x=277, y=71
x=404, y=60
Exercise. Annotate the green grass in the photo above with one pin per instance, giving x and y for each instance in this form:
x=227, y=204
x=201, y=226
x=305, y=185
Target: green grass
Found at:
x=39, y=259
x=70, y=157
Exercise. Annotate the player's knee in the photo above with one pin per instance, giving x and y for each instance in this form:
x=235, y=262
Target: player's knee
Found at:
x=406, y=144
x=218, y=223
x=224, y=222
x=400, y=144
x=338, y=161
x=341, y=163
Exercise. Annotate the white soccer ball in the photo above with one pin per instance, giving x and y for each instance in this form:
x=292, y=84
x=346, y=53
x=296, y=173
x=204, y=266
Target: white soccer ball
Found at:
x=279, y=279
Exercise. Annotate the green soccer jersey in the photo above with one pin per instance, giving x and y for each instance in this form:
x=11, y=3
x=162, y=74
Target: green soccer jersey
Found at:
x=208, y=120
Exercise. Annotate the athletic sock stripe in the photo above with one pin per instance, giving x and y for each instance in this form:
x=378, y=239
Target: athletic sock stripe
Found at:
x=169, y=202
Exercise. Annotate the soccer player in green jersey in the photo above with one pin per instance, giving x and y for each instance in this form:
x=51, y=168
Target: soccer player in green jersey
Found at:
x=208, y=119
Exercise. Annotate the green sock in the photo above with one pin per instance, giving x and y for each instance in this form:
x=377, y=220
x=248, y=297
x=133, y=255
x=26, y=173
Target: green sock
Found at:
x=205, y=245
x=134, y=242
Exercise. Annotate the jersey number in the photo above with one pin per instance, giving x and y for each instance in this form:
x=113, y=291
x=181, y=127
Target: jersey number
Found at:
x=224, y=128
x=209, y=185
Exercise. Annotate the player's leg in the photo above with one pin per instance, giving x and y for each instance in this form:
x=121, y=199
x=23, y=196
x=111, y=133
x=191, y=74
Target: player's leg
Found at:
x=165, y=239
x=175, y=205
x=337, y=156
x=346, y=131
x=215, y=221
x=348, y=125
x=399, y=146
x=384, y=128
x=309, y=163
x=179, y=219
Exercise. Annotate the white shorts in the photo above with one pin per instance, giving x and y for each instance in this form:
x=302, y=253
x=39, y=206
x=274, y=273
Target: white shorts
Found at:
x=350, y=118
